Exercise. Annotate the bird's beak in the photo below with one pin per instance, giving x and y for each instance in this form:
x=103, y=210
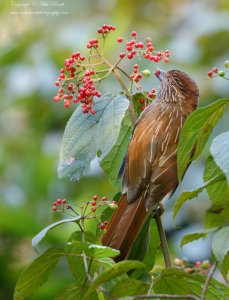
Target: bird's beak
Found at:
x=160, y=74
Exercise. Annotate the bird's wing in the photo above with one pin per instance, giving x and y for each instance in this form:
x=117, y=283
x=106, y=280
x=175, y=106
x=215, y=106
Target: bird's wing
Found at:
x=141, y=153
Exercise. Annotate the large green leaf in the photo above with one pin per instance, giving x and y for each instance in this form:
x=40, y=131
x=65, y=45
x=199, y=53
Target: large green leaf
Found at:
x=220, y=151
x=88, y=135
x=37, y=273
x=188, y=238
x=194, y=193
x=113, y=272
x=220, y=243
x=219, y=191
x=196, y=131
x=178, y=282
x=39, y=237
x=112, y=162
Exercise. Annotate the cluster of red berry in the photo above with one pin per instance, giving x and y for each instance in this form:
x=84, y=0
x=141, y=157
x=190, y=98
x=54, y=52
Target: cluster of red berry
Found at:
x=136, y=76
x=84, y=86
x=134, y=47
x=200, y=267
x=103, y=225
x=215, y=72
x=105, y=29
x=60, y=202
x=96, y=202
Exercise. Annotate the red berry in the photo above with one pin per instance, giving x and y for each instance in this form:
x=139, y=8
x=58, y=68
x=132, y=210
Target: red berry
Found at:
x=129, y=48
x=142, y=101
x=120, y=40
x=95, y=197
x=105, y=223
x=210, y=74
x=93, y=203
x=100, y=30
x=215, y=70
x=130, y=56
x=68, y=206
x=121, y=55
x=55, y=203
x=104, y=199
x=82, y=58
x=92, y=111
x=64, y=201
x=198, y=264
x=57, y=83
x=102, y=226
x=153, y=91
x=58, y=201
x=56, y=99
x=54, y=208
x=158, y=72
x=134, y=33
x=166, y=60
x=93, y=209
x=67, y=104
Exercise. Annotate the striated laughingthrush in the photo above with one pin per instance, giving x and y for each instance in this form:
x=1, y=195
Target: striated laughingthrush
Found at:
x=151, y=162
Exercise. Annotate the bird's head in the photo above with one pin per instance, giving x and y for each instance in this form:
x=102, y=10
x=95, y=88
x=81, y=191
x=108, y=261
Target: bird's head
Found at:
x=176, y=85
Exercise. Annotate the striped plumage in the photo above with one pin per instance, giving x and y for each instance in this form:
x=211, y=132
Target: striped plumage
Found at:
x=151, y=163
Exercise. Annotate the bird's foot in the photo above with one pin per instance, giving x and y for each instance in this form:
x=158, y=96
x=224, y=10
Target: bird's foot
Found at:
x=158, y=211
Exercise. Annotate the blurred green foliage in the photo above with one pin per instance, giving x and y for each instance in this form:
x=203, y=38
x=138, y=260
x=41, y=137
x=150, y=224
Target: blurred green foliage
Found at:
x=32, y=48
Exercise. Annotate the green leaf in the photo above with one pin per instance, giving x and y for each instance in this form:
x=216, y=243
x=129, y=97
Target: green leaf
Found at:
x=73, y=292
x=194, y=193
x=146, y=245
x=196, y=131
x=217, y=215
x=219, y=191
x=112, y=162
x=37, y=273
x=220, y=243
x=39, y=237
x=91, y=250
x=99, y=251
x=188, y=238
x=87, y=135
x=220, y=150
x=129, y=287
x=172, y=281
x=225, y=267
x=113, y=272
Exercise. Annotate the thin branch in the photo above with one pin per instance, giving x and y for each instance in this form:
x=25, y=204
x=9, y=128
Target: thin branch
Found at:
x=166, y=296
x=212, y=270
x=84, y=255
x=164, y=244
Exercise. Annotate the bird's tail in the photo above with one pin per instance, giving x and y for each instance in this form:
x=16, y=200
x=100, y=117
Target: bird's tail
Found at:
x=125, y=225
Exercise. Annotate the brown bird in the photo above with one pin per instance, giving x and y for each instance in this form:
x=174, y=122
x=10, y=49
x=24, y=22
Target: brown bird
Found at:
x=151, y=163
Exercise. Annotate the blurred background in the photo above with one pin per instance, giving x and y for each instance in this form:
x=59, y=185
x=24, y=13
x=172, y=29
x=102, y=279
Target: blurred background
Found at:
x=35, y=38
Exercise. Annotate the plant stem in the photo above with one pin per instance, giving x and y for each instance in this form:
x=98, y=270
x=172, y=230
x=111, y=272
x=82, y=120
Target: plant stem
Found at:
x=166, y=296
x=203, y=295
x=84, y=255
x=164, y=244
x=122, y=83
